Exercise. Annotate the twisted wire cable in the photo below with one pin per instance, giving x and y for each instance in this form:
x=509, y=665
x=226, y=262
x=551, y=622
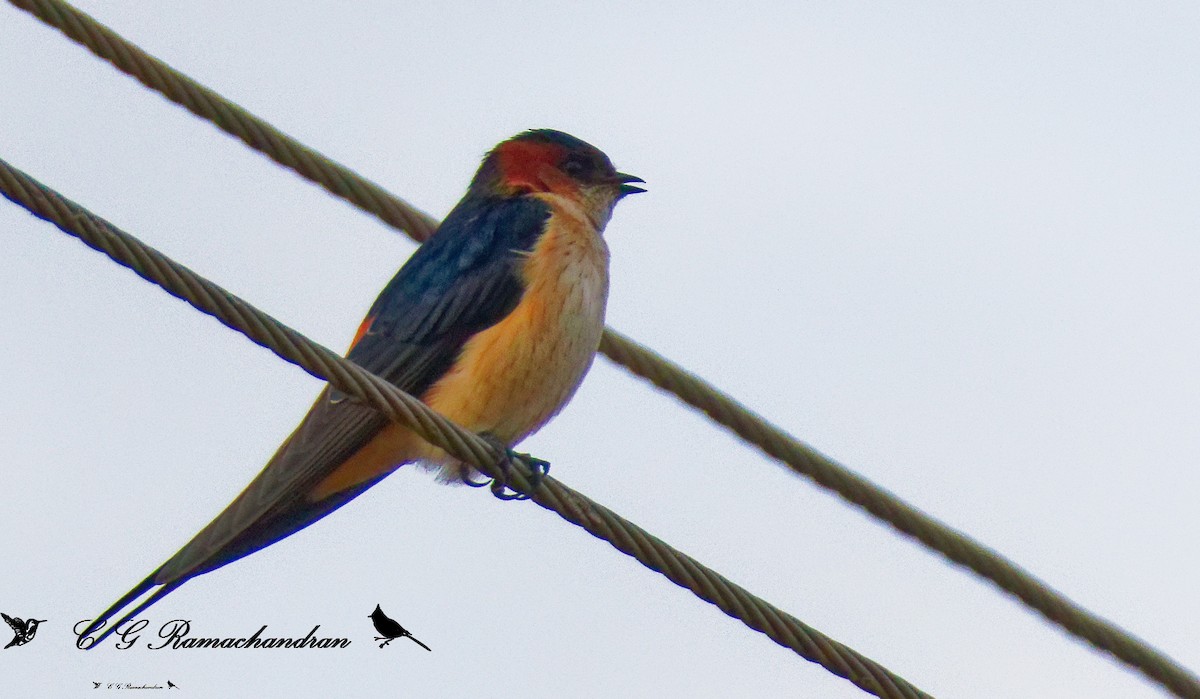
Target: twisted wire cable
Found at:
x=951, y=543
x=720, y=407
x=403, y=408
x=233, y=119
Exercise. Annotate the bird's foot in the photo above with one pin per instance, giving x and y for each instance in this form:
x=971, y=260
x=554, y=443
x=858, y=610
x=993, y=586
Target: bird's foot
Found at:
x=385, y=640
x=500, y=488
x=468, y=481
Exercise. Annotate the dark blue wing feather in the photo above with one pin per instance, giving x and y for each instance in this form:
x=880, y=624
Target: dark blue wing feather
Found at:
x=464, y=279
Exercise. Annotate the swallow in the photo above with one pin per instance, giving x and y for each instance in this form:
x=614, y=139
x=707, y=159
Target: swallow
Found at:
x=23, y=631
x=172, y=685
x=492, y=322
x=391, y=629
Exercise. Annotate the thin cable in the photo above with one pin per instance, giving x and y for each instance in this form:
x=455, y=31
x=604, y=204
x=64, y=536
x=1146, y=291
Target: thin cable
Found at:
x=800, y=458
x=403, y=408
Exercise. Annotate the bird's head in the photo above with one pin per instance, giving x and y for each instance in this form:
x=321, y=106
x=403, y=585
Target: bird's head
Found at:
x=377, y=613
x=552, y=162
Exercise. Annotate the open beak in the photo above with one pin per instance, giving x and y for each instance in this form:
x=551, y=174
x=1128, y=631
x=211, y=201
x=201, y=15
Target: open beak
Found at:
x=627, y=188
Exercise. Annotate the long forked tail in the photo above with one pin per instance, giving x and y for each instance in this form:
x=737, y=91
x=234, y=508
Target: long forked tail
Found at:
x=189, y=562
x=85, y=640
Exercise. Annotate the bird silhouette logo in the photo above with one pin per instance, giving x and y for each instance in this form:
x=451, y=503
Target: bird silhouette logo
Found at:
x=23, y=631
x=391, y=629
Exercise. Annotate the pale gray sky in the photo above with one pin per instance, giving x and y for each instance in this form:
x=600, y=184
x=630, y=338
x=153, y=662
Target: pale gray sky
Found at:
x=953, y=246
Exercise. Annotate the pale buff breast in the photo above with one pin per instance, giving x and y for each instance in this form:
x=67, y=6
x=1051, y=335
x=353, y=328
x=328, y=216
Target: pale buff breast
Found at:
x=513, y=377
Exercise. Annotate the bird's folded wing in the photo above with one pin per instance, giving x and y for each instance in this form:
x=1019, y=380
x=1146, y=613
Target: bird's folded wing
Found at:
x=463, y=280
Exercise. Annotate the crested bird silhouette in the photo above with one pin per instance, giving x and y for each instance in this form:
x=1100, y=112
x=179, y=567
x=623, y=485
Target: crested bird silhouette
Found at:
x=391, y=629
x=23, y=631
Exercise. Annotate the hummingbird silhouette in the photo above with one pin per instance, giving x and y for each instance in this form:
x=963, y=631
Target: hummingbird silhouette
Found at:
x=391, y=629
x=25, y=630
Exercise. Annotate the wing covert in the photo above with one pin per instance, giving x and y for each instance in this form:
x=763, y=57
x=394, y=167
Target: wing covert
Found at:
x=464, y=279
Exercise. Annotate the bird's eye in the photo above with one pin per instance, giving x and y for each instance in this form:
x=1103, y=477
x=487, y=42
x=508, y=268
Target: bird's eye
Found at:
x=577, y=165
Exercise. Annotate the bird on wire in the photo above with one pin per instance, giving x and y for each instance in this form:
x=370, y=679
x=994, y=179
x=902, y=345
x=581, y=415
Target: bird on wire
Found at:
x=391, y=629
x=492, y=322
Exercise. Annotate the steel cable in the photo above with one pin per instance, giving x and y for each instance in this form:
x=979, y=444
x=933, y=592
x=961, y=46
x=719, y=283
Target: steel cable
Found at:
x=403, y=408
x=723, y=409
